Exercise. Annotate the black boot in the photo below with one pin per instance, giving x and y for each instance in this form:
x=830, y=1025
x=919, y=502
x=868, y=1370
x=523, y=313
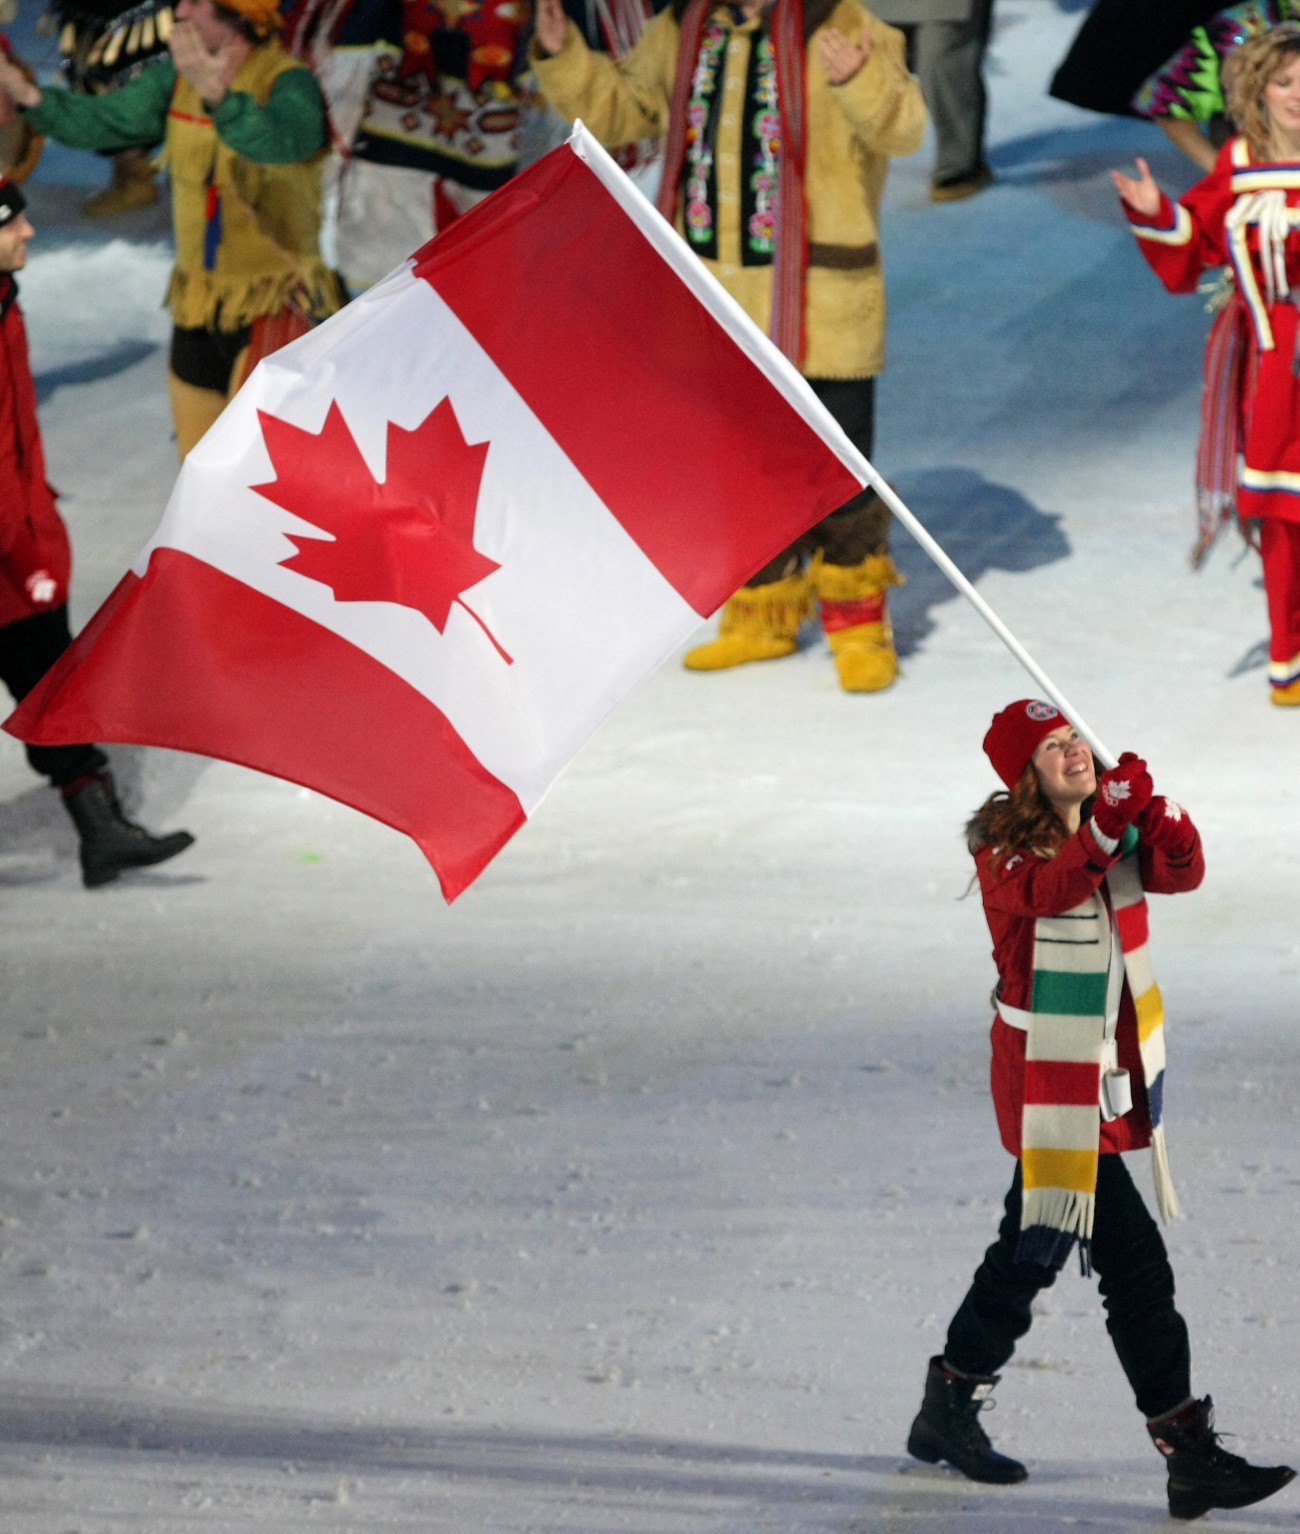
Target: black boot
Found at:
x=109, y=841
x=1201, y=1474
x=948, y=1427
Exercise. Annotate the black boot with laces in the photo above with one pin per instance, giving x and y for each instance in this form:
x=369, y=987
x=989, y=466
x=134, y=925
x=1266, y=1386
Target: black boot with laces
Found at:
x=109, y=841
x=1202, y=1474
x=948, y=1427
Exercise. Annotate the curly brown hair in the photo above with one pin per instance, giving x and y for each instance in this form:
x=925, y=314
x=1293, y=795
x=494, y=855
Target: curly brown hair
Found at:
x=1017, y=821
x=1246, y=71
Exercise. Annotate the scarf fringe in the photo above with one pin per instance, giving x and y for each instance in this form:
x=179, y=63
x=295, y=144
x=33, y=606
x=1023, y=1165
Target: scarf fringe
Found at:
x=1052, y=1219
x=1166, y=1197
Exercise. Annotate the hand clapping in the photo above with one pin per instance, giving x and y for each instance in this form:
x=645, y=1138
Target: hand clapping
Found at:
x=16, y=86
x=551, y=26
x=840, y=58
x=209, y=73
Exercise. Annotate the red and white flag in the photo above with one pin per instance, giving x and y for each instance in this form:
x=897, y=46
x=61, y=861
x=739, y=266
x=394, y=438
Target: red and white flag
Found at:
x=429, y=546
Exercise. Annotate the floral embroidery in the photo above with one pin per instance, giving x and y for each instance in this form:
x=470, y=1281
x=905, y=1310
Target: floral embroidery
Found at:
x=699, y=213
x=760, y=149
x=763, y=155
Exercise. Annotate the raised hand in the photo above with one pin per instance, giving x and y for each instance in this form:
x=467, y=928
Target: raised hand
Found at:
x=1122, y=794
x=840, y=58
x=1140, y=192
x=1166, y=825
x=551, y=25
x=210, y=74
x=15, y=85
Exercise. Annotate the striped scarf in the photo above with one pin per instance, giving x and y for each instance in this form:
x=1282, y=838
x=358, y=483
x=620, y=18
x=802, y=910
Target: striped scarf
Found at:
x=790, y=261
x=1063, y=1061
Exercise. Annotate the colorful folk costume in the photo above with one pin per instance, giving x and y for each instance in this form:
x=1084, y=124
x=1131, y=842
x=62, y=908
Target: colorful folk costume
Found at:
x=427, y=106
x=102, y=45
x=1246, y=215
x=774, y=177
x=1077, y=1076
x=1188, y=84
x=1120, y=45
x=246, y=187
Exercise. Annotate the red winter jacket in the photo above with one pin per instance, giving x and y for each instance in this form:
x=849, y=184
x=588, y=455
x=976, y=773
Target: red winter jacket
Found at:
x=32, y=534
x=1028, y=886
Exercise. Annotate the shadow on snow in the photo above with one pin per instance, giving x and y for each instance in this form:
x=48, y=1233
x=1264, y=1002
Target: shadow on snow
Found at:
x=982, y=526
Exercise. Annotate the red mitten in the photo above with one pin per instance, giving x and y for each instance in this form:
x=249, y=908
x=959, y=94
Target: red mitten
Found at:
x=1122, y=794
x=26, y=563
x=1166, y=825
x=42, y=590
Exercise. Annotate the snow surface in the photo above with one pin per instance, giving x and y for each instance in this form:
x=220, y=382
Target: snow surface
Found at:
x=633, y=1191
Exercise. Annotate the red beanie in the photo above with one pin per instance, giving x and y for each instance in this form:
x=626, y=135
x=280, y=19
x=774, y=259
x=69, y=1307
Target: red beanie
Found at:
x=1014, y=735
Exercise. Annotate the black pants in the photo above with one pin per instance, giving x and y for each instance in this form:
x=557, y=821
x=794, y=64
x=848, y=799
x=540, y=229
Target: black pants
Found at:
x=206, y=358
x=1137, y=1289
x=861, y=526
x=28, y=649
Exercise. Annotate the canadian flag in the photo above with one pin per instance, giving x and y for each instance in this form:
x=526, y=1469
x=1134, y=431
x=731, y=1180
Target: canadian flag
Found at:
x=429, y=546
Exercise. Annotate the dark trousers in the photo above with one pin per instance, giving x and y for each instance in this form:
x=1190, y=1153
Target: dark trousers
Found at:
x=950, y=64
x=1137, y=1289
x=861, y=526
x=28, y=649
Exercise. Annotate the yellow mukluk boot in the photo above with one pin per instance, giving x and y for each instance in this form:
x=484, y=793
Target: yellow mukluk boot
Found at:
x=757, y=623
x=852, y=606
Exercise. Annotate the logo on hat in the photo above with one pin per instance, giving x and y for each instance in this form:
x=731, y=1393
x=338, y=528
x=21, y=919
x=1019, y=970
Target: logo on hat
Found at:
x=1040, y=711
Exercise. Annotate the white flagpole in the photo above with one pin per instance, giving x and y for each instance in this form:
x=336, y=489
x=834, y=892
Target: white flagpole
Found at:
x=863, y=467
x=787, y=377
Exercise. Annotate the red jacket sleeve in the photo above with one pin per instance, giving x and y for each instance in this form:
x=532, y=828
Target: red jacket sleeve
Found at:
x=1185, y=237
x=1030, y=885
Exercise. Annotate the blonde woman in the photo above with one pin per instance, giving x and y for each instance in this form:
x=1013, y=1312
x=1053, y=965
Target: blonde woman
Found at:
x=1246, y=214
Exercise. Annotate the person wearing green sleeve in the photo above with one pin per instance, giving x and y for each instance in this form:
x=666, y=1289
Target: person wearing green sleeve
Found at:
x=243, y=130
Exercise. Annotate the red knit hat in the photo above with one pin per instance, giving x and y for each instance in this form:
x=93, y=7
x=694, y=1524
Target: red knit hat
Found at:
x=1014, y=735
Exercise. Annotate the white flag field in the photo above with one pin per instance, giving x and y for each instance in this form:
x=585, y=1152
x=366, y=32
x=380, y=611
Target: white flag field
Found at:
x=429, y=546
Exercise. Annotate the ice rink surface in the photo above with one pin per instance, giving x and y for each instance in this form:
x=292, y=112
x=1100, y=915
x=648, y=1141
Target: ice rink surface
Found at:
x=633, y=1191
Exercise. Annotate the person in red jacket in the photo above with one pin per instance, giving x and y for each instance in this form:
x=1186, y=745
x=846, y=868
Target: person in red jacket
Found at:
x=1244, y=215
x=1064, y=861
x=35, y=566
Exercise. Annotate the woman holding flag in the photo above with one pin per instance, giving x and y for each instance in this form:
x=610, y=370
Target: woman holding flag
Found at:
x=779, y=121
x=1064, y=861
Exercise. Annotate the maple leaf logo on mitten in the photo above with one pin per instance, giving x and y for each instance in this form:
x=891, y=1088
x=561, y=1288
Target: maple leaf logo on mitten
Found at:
x=1173, y=811
x=1115, y=793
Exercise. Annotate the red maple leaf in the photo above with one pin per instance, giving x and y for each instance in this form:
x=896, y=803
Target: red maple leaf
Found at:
x=408, y=539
